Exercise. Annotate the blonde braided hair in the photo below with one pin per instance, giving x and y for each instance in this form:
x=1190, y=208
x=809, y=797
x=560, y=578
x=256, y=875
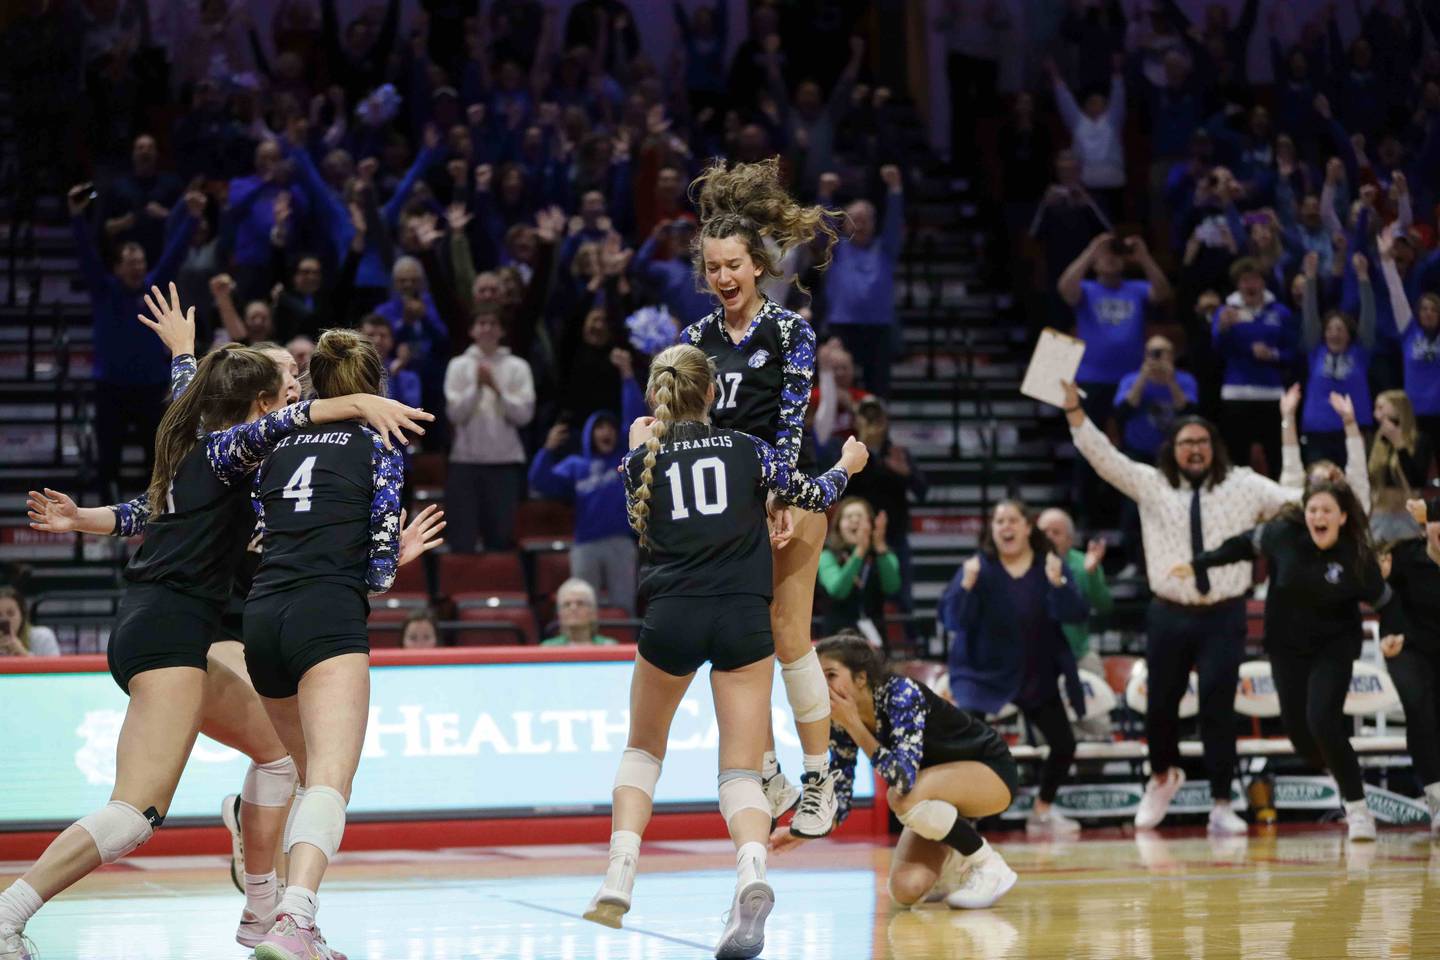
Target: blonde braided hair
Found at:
x=681, y=380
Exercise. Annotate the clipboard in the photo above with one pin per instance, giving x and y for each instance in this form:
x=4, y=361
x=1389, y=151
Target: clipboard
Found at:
x=1056, y=358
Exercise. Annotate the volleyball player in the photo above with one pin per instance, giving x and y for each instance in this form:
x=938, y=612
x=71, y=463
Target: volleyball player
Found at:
x=1321, y=568
x=945, y=769
x=696, y=494
x=1410, y=629
x=764, y=357
x=224, y=424
x=328, y=499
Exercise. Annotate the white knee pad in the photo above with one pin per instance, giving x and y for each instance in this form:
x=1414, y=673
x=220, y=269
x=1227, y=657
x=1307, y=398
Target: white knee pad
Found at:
x=931, y=819
x=319, y=820
x=118, y=828
x=741, y=790
x=269, y=784
x=285, y=840
x=638, y=769
x=806, y=689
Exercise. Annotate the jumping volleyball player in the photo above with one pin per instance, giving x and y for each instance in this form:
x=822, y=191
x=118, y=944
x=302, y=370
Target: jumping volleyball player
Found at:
x=945, y=769
x=225, y=423
x=233, y=714
x=696, y=496
x=764, y=356
x=329, y=506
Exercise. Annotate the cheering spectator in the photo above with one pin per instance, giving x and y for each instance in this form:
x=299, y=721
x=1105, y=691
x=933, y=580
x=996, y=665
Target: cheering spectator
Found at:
x=1089, y=576
x=579, y=614
x=400, y=383
x=860, y=285
x=489, y=395
x=1419, y=330
x=420, y=631
x=18, y=636
x=663, y=260
x=1400, y=463
x=1255, y=339
x=604, y=554
x=1005, y=608
x=138, y=204
x=858, y=572
x=255, y=325
x=132, y=371
x=810, y=121
x=254, y=209
x=1096, y=135
x=1338, y=354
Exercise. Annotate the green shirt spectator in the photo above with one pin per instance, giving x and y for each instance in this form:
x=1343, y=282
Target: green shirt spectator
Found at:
x=857, y=569
x=1085, y=570
x=578, y=610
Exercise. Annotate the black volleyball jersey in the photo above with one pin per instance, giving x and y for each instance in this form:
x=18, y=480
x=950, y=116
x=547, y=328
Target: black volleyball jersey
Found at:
x=762, y=383
x=706, y=533
x=328, y=499
x=195, y=545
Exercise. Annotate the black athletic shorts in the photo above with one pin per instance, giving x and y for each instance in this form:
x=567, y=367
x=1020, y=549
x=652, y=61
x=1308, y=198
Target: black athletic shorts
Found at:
x=681, y=633
x=158, y=626
x=1003, y=764
x=287, y=633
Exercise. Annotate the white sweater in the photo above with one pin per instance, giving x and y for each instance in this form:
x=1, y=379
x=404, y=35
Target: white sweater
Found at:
x=1097, y=142
x=485, y=419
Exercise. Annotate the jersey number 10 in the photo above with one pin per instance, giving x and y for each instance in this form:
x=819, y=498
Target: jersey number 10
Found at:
x=298, y=487
x=712, y=465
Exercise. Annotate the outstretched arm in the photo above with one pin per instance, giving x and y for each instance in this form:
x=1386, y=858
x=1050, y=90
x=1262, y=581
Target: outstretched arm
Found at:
x=388, y=468
x=794, y=487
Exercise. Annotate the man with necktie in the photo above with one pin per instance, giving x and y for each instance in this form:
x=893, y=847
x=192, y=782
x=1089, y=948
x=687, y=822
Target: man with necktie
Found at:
x=1190, y=501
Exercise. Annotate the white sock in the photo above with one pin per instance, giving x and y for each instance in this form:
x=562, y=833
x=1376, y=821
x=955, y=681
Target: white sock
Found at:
x=1352, y=806
x=769, y=765
x=979, y=856
x=750, y=862
x=18, y=904
x=300, y=904
x=260, y=893
x=817, y=763
x=624, y=842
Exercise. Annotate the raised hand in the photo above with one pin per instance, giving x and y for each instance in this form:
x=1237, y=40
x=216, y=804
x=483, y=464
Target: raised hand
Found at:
x=222, y=286
x=1343, y=406
x=623, y=362
x=52, y=511
x=421, y=534
x=175, y=327
x=1290, y=402
x=853, y=456
x=890, y=176
x=1392, y=644
x=457, y=216
x=484, y=175
x=391, y=418
x=557, y=437
x=1054, y=569
x=971, y=571
x=1095, y=554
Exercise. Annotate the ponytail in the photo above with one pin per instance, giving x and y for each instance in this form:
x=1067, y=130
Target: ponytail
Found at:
x=678, y=390
x=227, y=383
x=345, y=362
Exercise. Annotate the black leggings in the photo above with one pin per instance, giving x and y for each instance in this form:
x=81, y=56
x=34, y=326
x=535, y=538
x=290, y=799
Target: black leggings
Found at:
x=1312, y=688
x=1050, y=719
x=1417, y=679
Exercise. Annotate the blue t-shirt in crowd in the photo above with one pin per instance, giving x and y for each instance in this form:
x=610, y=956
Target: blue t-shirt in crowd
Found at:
x=1111, y=321
x=1147, y=424
x=1422, y=370
x=1336, y=373
x=1247, y=377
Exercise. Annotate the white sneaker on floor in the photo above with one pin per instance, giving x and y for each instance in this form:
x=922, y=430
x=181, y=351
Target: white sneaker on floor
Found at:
x=230, y=816
x=744, y=935
x=952, y=875
x=1226, y=822
x=613, y=899
x=1432, y=800
x=1051, y=822
x=14, y=945
x=1158, y=794
x=1360, y=821
x=782, y=795
x=816, y=816
x=989, y=879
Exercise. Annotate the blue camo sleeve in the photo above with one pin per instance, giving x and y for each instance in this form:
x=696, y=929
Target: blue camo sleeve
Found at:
x=843, y=753
x=235, y=452
x=797, y=340
x=389, y=480
x=691, y=334
x=182, y=371
x=258, y=504
x=131, y=517
x=815, y=495
x=902, y=703
x=629, y=482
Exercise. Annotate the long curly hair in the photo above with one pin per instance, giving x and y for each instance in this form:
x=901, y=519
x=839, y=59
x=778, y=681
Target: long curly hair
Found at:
x=748, y=201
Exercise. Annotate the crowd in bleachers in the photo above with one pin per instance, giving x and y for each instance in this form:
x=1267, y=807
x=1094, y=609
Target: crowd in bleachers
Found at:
x=489, y=191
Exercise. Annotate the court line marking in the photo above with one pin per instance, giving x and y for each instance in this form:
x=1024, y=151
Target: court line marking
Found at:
x=1208, y=877
x=573, y=916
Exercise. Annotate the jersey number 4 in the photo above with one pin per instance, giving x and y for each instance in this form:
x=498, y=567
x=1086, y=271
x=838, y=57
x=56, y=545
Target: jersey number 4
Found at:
x=711, y=465
x=729, y=388
x=298, y=487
